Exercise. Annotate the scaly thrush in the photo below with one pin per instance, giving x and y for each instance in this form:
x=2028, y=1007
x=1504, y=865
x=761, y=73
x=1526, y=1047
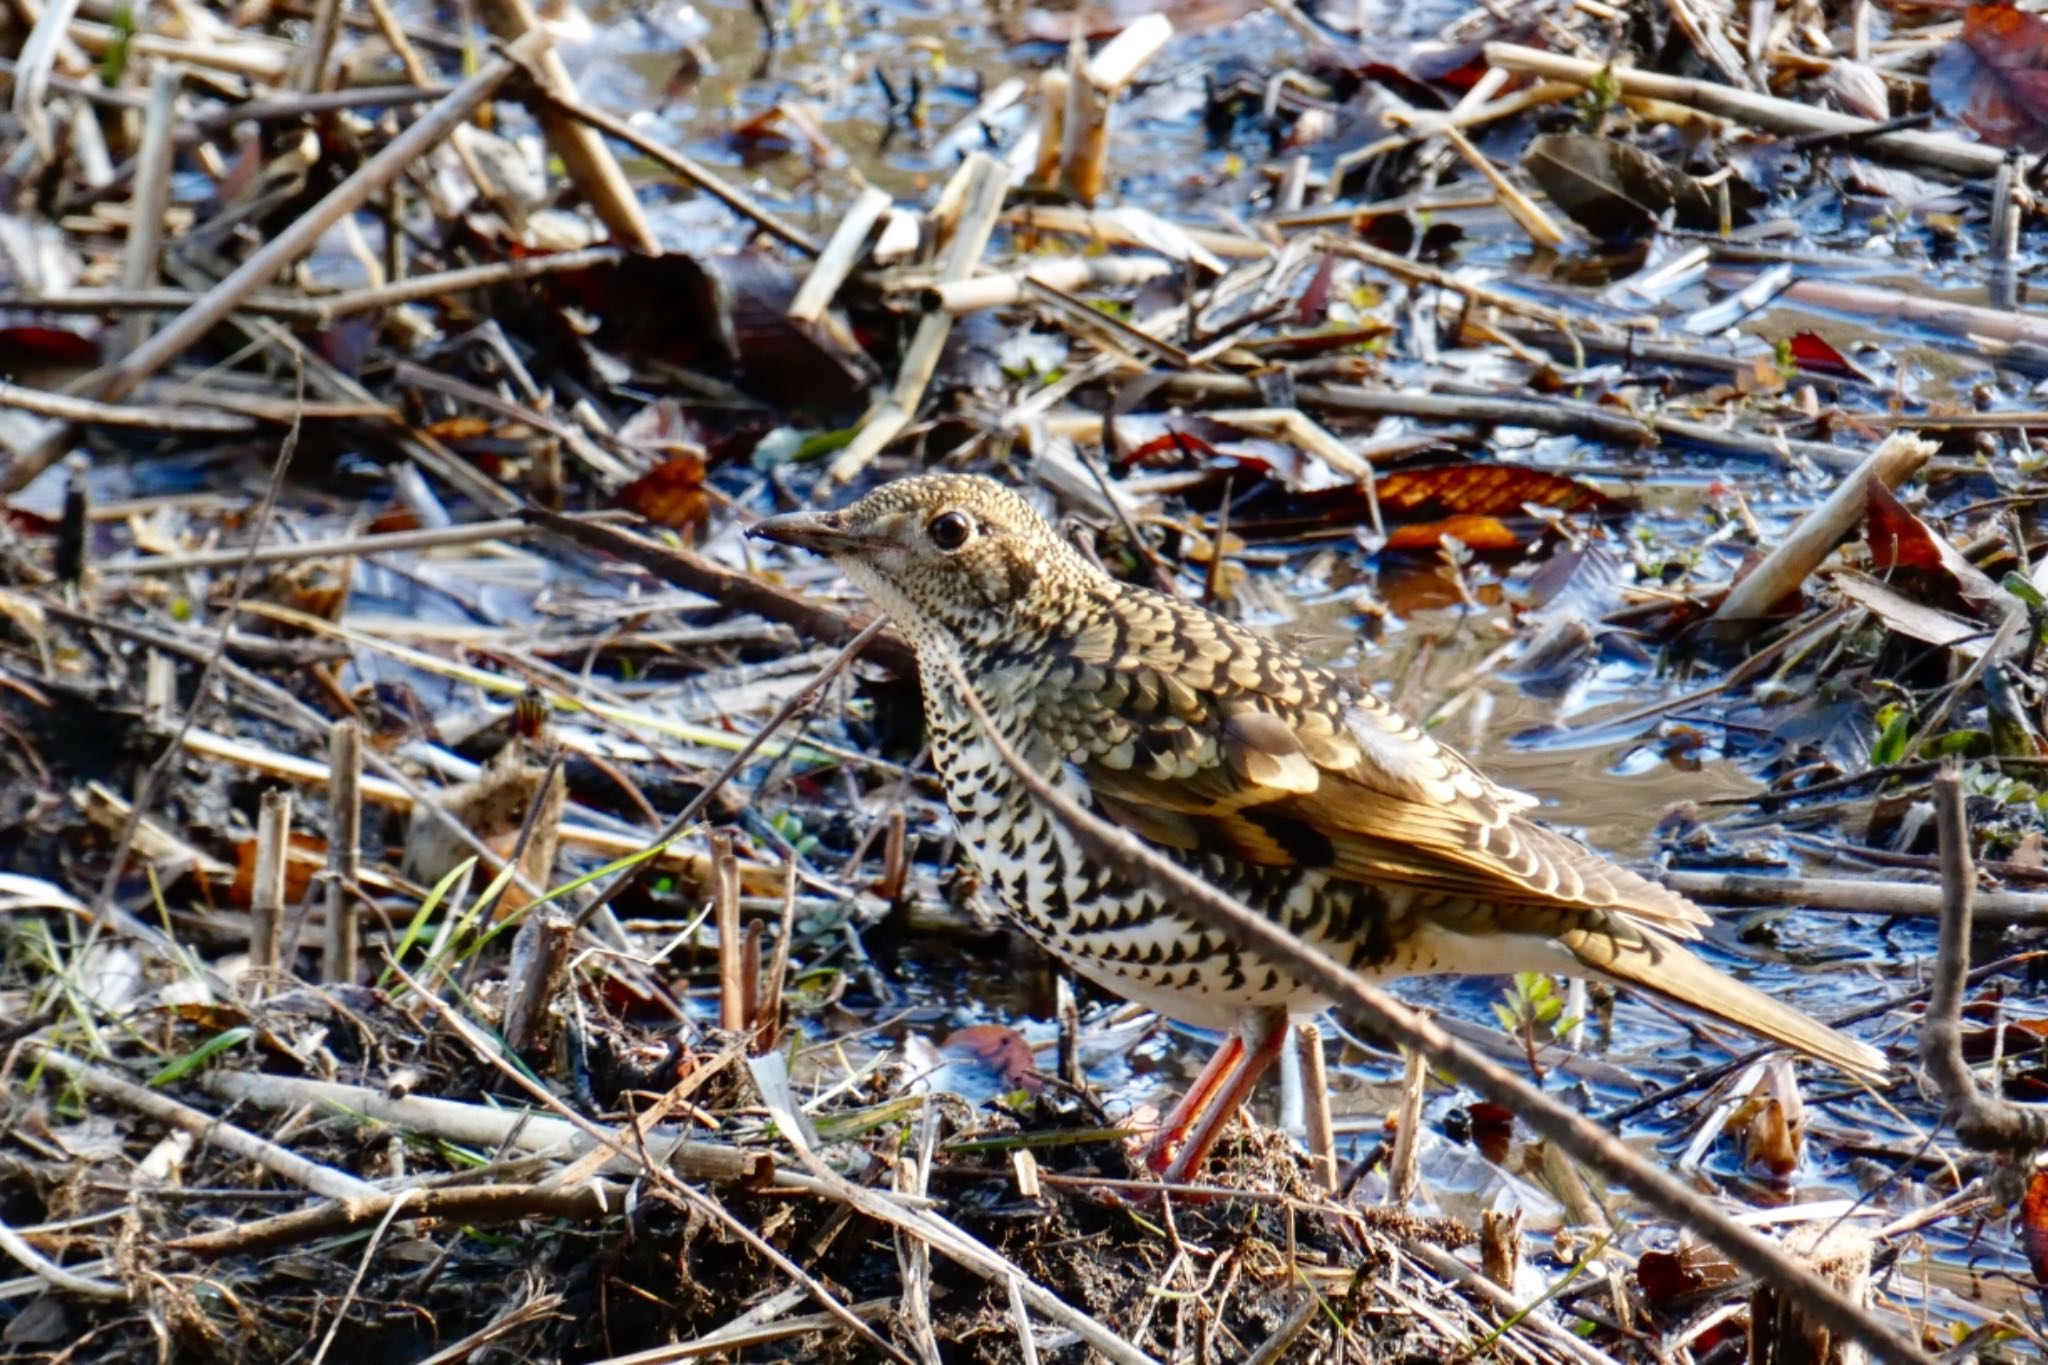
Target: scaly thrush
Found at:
x=1286, y=784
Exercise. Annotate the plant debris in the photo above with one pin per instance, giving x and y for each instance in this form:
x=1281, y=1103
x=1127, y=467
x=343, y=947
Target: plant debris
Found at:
x=461, y=901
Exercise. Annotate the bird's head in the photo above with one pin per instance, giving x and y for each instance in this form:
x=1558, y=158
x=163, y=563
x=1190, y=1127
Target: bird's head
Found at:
x=950, y=557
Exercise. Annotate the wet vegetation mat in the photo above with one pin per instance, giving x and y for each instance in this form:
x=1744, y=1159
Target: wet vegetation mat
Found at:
x=460, y=899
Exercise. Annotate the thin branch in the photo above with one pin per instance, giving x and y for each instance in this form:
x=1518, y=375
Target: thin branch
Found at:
x=1121, y=851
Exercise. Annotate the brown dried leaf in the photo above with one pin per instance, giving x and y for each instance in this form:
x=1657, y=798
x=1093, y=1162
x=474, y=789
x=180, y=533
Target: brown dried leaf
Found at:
x=670, y=494
x=1994, y=78
x=1612, y=189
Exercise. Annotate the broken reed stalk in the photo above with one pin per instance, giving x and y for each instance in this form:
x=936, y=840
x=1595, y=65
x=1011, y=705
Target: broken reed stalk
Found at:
x=1052, y=122
x=1981, y=1122
x=725, y=899
x=1401, y=1165
x=768, y=1025
x=1527, y=213
x=895, y=862
x=1779, y=1332
x=74, y=523
x=1315, y=1089
x=750, y=973
x=1120, y=851
x=340, y=942
x=842, y=253
x=208, y=1128
x=1977, y=161
x=589, y=163
x=159, y=691
x=1500, y=1245
x=586, y=1201
x=739, y=591
x=1897, y=458
x=1092, y=89
x=266, y=889
x=695, y=172
x=150, y=197
x=512, y=1131
x=533, y=977
x=1081, y=116
x=304, y=232
x=1065, y=273
x=979, y=185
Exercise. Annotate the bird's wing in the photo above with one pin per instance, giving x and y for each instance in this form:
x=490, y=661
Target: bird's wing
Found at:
x=1198, y=734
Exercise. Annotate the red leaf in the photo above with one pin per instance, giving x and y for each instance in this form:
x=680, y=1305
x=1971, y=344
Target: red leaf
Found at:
x=1815, y=353
x=1898, y=539
x=1493, y=1129
x=2033, y=1219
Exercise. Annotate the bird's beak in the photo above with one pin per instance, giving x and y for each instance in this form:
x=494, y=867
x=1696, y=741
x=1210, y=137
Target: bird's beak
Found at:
x=824, y=533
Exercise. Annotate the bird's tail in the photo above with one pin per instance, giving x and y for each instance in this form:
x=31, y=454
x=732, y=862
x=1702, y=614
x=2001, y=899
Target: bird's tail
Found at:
x=1641, y=957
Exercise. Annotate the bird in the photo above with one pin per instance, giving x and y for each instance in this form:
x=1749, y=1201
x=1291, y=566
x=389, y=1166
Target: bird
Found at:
x=1292, y=786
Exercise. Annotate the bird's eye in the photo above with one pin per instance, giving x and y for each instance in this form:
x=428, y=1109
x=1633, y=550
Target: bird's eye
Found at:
x=950, y=530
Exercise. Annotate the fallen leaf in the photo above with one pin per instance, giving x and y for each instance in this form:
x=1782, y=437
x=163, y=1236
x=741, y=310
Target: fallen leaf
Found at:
x=1994, y=78
x=305, y=858
x=1899, y=540
x=1488, y=535
x=984, y=1062
x=1614, y=190
x=1485, y=490
x=670, y=494
x=1812, y=352
x=2033, y=1221
x=1915, y=620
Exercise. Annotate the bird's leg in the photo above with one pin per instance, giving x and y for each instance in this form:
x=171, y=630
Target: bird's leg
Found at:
x=1254, y=1056
x=1159, y=1151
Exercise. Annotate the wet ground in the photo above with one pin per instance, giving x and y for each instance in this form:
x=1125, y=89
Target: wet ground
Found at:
x=1545, y=663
